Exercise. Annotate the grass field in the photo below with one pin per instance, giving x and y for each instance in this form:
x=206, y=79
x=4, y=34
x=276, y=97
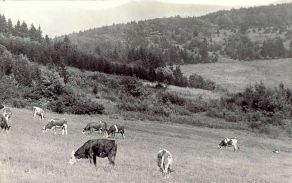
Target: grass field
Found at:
x=28, y=155
x=237, y=75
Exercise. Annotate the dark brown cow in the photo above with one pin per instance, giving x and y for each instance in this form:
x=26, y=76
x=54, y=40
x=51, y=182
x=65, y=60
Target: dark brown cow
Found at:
x=95, y=148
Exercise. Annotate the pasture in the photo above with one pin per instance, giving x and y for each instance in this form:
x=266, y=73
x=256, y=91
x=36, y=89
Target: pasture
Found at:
x=28, y=155
x=237, y=75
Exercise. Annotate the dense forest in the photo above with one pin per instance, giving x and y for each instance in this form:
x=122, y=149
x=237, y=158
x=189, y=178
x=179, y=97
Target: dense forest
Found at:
x=244, y=34
x=19, y=39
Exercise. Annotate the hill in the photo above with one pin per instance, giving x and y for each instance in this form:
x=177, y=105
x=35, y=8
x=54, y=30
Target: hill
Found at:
x=244, y=34
x=28, y=155
x=78, y=15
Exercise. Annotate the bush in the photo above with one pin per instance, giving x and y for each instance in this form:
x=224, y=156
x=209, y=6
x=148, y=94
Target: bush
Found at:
x=197, y=81
x=18, y=103
x=172, y=98
x=133, y=86
x=197, y=106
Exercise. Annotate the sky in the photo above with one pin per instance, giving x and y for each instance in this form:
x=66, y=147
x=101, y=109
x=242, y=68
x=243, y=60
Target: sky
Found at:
x=58, y=17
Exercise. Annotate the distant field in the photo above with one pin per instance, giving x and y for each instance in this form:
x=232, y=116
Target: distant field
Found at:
x=28, y=155
x=235, y=75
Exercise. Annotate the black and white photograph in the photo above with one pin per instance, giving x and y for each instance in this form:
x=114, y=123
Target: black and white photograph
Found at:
x=146, y=91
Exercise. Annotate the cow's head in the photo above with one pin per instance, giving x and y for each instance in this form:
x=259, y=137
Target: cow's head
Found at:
x=44, y=129
x=224, y=142
x=73, y=159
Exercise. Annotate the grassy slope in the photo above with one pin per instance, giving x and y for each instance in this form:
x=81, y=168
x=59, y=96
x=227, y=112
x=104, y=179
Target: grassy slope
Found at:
x=235, y=75
x=27, y=155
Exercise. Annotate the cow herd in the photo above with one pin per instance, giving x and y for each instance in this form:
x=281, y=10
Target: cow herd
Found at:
x=99, y=147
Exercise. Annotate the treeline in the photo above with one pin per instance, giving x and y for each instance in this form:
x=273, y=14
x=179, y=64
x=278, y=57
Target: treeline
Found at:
x=20, y=29
x=194, y=40
x=240, y=47
x=64, y=53
x=279, y=16
x=176, y=40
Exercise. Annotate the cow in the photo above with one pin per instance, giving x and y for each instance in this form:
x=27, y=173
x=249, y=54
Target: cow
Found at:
x=93, y=126
x=116, y=129
x=37, y=111
x=164, y=161
x=7, y=113
x=4, y=123
x=56, y=123
x=227, y=142
x=95, y=148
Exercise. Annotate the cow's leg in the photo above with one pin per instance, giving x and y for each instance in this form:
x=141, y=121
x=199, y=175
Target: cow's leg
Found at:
x=94, y=161
x=55, y=132
x=111, y=159
x=234, y=147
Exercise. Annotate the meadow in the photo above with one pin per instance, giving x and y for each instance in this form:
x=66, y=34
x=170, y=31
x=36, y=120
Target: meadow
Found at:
x=28, y=155
x=237, y=75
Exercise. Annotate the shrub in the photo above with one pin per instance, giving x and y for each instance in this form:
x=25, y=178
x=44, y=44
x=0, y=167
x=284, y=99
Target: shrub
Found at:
x=18, y=103
x=172, y=98
x=197, y=81
x=133, y=86
x=196, y=106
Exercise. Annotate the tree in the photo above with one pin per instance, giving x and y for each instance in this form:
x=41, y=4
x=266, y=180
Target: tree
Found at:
x=33, y=33
x=24, y=29
x=204, y=51
x=17, y=29
x=97, y=50
x=3, y=24
x=9, y=26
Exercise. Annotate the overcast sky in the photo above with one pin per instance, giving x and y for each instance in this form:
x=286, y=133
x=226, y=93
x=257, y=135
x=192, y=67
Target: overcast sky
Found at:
x=58, y=17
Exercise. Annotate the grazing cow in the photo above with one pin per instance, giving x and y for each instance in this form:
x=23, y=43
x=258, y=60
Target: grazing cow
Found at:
x=37, y=111
x=4, y=123
x=56, y=123
x=116, y=129
x=7, y=113
x=227, y=142
x=93, y=126
x=164, y=161
x=95, y=148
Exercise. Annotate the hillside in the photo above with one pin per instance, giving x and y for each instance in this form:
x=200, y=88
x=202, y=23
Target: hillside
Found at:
x=244, y=34
x=235, y=76
x=28, y=155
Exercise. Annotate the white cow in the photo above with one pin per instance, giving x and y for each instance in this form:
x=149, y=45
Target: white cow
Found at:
x=56, y=123
x=7, y=113
x=227, y=142
x=164, y=161
x=37, y=111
